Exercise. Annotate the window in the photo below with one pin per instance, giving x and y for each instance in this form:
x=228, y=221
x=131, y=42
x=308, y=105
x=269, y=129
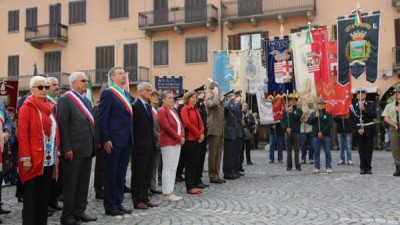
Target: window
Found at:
x=118, y=9
x=104, y=62
x=52, y=62
x=247, y=41
x=13, y=65
x=160, y=53
x=31, y=17
x=13, y=21
x=130, y=61
x=196, y=50
x=77, y=12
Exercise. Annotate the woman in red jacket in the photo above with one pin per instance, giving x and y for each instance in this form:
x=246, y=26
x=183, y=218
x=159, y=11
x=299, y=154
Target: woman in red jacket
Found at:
x=191, y=151
x=170, y=139
x=38, y=139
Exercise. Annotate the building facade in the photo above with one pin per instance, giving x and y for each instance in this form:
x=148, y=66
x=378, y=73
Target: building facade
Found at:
x=152, y=38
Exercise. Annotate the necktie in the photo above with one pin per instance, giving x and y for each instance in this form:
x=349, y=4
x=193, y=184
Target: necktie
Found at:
x=148, y=109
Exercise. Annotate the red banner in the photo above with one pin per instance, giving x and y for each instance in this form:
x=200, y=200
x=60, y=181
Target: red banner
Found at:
x=9, y=93
x=337, y=97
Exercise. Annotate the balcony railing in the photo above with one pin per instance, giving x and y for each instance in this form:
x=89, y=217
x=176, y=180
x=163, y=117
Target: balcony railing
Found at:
x=23, y=84
x=396, y=4
x=178, y=18
x=48, y=33
x=136, y=75
x=241, y=10
x=396, y=58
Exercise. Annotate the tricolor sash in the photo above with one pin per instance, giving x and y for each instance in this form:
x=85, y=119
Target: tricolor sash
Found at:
x=122, y=97
x=81, y=105
x=52, y=99
x=2, y=118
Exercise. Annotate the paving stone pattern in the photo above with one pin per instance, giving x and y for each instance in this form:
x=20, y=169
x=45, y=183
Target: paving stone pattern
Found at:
x=267, y=194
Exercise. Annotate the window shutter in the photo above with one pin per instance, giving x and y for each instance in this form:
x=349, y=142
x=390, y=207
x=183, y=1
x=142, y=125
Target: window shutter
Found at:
x=397, y=31
x=234, y=42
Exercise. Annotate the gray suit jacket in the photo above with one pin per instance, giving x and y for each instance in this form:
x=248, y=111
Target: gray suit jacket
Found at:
x=77, y=133
x=215, y=113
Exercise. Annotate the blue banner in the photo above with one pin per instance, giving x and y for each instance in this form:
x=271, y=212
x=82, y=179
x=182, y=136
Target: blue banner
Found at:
x=358, y=46
x=223, y=74
x=274, y=49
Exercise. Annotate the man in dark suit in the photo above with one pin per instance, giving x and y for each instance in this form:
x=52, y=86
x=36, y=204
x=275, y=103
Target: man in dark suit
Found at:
x=230, y=136
x=143, y=149
x=116, y=136
x=77, y=135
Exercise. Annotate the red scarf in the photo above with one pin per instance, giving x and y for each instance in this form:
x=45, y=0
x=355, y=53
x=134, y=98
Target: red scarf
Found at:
x=45, y=108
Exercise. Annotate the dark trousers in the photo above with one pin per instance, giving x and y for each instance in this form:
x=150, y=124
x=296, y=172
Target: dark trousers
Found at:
x=306, y=145
x=246, y=145
x=142, y=169
x=191, y=154
x=202, y=157
x=116, y=164
x=236, y=154
x=36, y=198
x=229, y=158
x=292, y=142
x=99, y=170
x=181, y=167
x=365, y=149
x=75, y=186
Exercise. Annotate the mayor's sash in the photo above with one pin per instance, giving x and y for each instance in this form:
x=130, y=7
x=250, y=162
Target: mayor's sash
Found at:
x=81, y=105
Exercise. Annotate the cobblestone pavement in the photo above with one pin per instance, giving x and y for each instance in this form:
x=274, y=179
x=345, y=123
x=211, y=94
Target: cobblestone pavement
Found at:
x=268, y=194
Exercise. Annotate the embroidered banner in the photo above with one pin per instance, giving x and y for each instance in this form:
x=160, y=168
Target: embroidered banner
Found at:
x=253, y=71
x=358, y=46
x=277, y=51
x=238, y=61
x=302, y=54
x=9, y=93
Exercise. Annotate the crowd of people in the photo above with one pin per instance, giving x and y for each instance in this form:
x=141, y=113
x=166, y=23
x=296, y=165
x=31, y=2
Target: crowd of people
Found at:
x=165, y=137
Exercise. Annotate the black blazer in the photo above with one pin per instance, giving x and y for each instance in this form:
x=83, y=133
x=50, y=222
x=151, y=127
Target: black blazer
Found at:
x=143, y=125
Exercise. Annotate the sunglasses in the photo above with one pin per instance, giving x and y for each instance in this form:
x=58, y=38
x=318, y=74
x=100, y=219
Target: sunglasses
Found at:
x=40, y=87
x=84, y=81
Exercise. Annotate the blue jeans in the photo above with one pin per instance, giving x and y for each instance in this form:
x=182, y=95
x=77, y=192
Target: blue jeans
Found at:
x=275, y=141
x=305, y=142
x=344, y=140
x=324, y=142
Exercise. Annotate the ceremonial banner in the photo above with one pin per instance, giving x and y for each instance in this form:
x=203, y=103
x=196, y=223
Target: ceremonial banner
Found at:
x=9, y=93
x=358, y=46
x=223, y=73
x=337, y=96
x=303, y=56
x=253, y=71
x=238, y=60
x=270, y=110
x=277, y=52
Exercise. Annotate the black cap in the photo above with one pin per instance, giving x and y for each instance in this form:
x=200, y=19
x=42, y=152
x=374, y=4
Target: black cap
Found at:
x=202, y=88
x=179, y=96
x=229, y=93
x=238, y=93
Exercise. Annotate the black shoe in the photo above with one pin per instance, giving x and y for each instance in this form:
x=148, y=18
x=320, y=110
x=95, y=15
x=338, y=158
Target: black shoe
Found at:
x=298, y=169
x=240, y=174
x=85, y=218
x=288, y=168
x=222, y=180
x=229, y=177
x=216, y=181
x=241, y=170
x=368, y=171
x=250, y=163
x=155, y=192
x=99, y=195
x=271, y=162
x=200, y=185
x=150, y=194
x=69, y=221
x=362, y=172
x=280, y=161
x=125, y=210
x=4, y=211
x=179, y=179
x=50, y=213
x=114, y=212
x=205, y=185
x=127, y=189
x=56, y=206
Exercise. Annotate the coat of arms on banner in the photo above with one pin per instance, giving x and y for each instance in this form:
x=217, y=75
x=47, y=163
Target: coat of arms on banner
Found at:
x=313, y=60
x=283, y=66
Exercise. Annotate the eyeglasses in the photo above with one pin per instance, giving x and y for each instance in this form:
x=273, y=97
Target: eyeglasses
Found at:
x=40, y=87
x=84, y=81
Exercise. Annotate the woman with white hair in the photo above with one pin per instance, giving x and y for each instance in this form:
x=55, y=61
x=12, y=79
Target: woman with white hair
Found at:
x=38, y=149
